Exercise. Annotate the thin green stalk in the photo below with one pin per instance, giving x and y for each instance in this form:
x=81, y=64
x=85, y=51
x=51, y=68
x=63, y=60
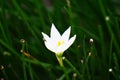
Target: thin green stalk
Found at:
x=15, y=73
x=84, y=47
x=87, y=67
x=86, y=64
x=69, y=10
x=101, y=35
x=114, y=38
x=24, y=70
x=115, y=61
x=110, y=51
x=30, y=71
x=24, y=17
x=102, y=43
x=8, y=47
x=36, y=76
x=4, y=22
x=3, y=32
x=40, y=13
x=89, y=33
x=5, y=74
x=117, y=26
x=60, y=60
x=73, y=67
x=86, y=57
x=35, y=61
x=88, y=73
x=110, y=54
x=64, y=75
x=93, y=58
x=115, y=76
x=109, y=26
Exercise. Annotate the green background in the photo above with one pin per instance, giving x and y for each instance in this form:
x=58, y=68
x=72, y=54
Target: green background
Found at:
x=26, y=19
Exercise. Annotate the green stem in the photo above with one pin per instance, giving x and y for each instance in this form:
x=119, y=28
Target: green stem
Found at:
x=59, y=58
x=24, y=71
x=72, y=66
x=30, y=71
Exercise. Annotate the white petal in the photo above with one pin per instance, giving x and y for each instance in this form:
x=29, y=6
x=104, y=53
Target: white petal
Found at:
x=71, y=41
x=46, y=37
x=49, y=43
x=66, y=45
x=50, y=46
x=66, y=35
x=54, y=32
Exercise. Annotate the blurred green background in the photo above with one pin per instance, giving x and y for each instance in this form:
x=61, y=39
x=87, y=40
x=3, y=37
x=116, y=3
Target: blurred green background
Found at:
x=21, y=24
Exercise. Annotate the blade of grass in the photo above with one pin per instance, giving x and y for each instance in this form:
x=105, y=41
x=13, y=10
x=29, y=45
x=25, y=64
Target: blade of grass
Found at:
x=40, y=13
x=24, y=17
x=30, y=71
x=24, y=70
x=64, y=75
x=3, y=32
x=108, y=25
x=73, y=67
x=9, y=48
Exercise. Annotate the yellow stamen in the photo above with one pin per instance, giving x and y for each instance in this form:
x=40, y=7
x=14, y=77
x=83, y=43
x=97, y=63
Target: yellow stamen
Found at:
x=60, y=43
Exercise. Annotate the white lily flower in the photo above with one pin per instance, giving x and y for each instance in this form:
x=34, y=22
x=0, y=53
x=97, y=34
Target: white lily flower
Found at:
x=58, y=43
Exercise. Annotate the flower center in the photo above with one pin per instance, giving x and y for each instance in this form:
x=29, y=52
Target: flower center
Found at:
x=60, y=43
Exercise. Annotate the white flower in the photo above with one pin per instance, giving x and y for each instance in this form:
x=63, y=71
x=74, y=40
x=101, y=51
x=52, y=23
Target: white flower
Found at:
x=58, y=43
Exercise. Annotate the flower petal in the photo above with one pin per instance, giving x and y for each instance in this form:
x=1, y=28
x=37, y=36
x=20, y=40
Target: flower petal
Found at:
x=66, y=45
x=46, y=37
x=54, y=32
x=66, y=35
x=49, y=43
x=71, y=41
x=50, y=46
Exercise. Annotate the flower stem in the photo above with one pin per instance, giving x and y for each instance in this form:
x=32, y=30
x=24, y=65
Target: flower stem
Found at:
x=59, y=58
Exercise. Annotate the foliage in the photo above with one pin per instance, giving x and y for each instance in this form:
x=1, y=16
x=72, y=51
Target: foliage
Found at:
x=23, y=55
